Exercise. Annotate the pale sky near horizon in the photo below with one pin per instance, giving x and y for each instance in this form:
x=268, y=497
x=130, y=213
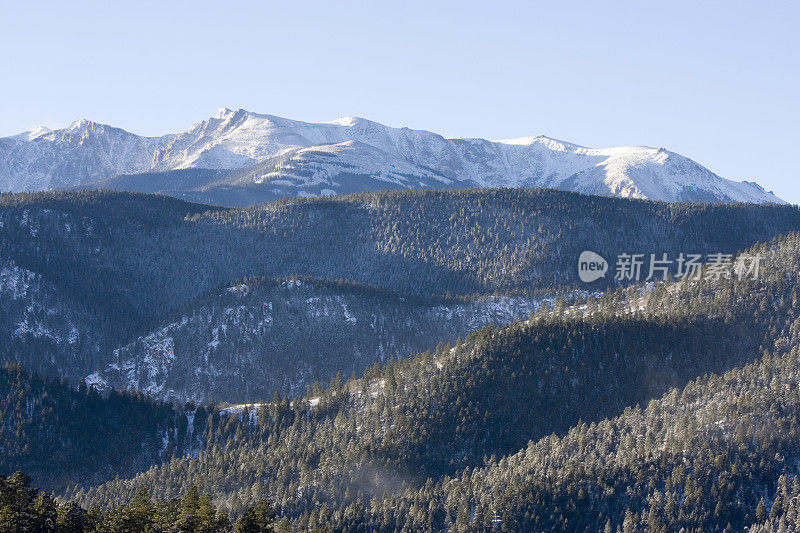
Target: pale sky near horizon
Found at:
x=714, y=81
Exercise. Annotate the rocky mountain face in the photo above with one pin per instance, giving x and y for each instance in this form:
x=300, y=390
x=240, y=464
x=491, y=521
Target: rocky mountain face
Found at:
x=241, y=158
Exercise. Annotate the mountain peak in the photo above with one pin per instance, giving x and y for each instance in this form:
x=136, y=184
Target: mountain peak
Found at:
x=348, y=121
x=32, y=134
x=80, y=124
x=39, y=130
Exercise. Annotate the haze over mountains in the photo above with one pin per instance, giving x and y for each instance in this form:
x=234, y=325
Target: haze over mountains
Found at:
x=242, y=158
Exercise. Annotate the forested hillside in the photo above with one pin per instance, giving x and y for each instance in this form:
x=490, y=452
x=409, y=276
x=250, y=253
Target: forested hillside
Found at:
x=360, y=454
x=714, y=456
x=60, y=435
x=258, y=336
x=258, y=324
x=24, y=508
x=369, y=451
x=128, y=263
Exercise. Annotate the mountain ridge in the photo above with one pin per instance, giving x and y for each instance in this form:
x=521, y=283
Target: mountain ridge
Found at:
x=360, y=155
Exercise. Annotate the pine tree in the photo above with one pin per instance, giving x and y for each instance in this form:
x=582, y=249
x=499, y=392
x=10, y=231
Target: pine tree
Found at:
x=258, y=519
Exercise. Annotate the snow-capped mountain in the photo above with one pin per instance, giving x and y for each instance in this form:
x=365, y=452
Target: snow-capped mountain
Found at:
x=326, y=169
x=80, y=153
x=263, y=157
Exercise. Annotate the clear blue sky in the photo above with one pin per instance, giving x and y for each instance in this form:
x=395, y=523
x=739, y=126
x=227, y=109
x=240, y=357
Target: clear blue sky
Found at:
x=717, y=82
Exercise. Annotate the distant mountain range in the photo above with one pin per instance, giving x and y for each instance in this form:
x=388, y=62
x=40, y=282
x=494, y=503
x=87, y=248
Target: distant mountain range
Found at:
x=243, y=158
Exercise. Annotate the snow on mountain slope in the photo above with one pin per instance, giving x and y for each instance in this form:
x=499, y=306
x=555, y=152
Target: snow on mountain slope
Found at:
x=83, y=152
x=320, y=170
x=251, y=339
x=327, y=169
x=302, y=158
x=36, y=318
x=319, y=165
x=232, y=139
x=641, y=172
